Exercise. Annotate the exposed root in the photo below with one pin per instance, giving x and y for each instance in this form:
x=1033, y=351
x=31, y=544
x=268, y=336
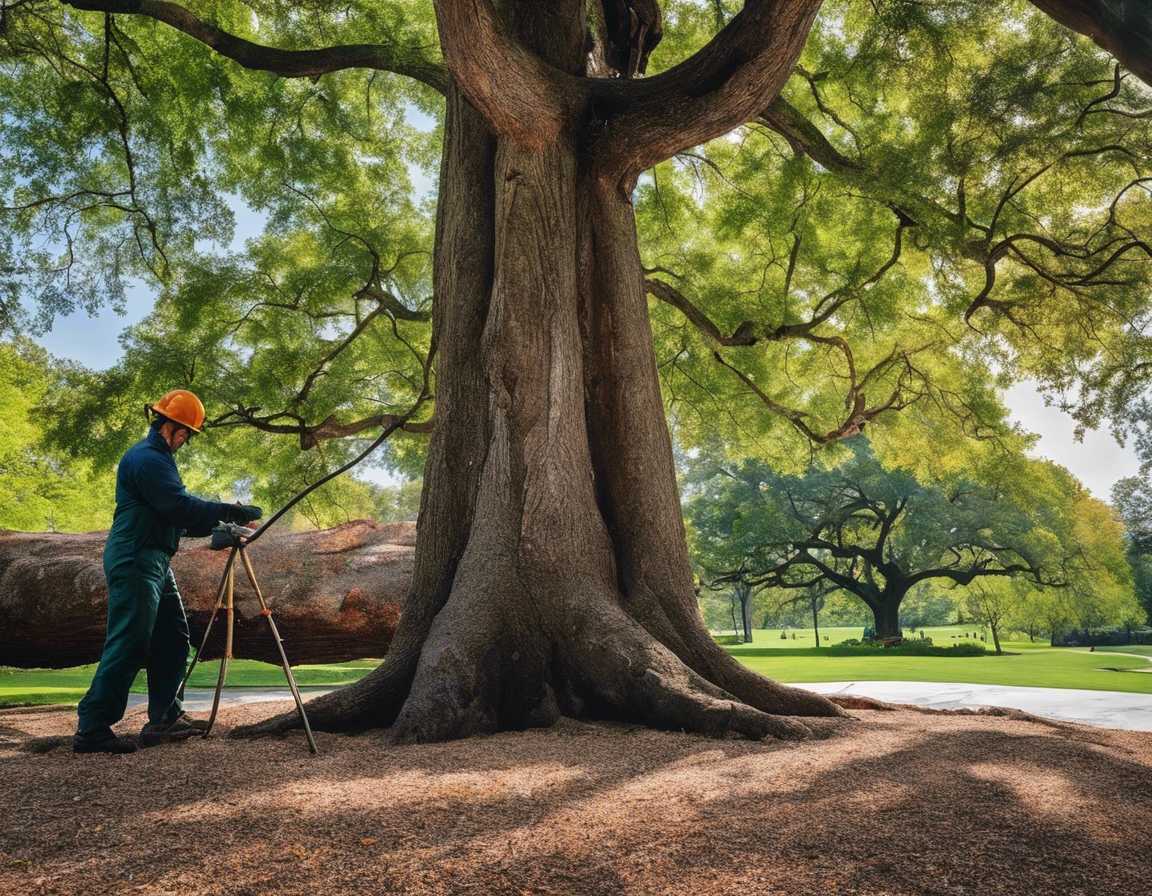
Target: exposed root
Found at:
x=846, y=701
x=685, y=705
x=372, y=702
x=764, y=693
x=633, y=673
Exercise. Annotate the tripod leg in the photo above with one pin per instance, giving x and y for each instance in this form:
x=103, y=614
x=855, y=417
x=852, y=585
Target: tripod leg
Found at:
x=280, y=646
x=228, y=619
x=215, y=609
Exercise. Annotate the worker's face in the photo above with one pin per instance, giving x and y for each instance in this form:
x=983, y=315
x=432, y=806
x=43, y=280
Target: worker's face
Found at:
x=175, y=436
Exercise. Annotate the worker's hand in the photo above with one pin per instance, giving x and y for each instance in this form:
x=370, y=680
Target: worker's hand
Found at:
x=244, y=513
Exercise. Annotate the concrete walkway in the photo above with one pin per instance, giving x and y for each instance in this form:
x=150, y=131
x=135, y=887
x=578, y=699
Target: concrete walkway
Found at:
x=1103, y=709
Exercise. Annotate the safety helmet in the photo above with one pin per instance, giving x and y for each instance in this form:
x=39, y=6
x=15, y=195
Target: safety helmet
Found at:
x=180, y=406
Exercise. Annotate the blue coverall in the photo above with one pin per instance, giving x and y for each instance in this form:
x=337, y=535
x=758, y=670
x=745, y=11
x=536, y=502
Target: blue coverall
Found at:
x=147, y=628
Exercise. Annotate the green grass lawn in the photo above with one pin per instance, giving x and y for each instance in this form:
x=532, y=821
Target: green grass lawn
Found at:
x=1135, y=649
x=785, y=659
x=39, y=687
x=1023, y=664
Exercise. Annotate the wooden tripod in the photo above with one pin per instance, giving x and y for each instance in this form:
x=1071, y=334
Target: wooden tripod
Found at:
x=236, y=537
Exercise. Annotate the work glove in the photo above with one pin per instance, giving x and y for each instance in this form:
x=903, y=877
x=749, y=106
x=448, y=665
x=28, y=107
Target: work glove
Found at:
x=244, y=513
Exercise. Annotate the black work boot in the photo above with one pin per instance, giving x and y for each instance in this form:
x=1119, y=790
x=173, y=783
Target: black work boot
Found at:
x=102, y=742
x=180, y=728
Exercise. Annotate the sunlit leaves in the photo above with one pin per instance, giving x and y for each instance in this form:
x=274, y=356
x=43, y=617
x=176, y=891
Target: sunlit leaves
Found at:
x=875, y=531
x=42, y=489
x=1008, y=157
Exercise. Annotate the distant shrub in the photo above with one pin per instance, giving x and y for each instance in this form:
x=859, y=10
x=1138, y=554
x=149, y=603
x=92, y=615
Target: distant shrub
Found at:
x=1108, y=637
x=908, y=647
x=961, y=650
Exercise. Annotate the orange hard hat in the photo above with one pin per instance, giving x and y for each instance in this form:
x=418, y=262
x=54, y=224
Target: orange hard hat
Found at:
x=180, y=406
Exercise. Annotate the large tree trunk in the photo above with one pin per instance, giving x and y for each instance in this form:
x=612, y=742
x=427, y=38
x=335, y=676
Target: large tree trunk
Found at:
x=745, y=592
x=337, y=594
x=552, y=572
x=886, y=613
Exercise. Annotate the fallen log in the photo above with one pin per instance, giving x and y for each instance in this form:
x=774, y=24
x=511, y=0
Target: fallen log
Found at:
x=336, y=594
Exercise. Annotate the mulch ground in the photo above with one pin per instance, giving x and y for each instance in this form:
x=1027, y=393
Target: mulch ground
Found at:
x=895, y=803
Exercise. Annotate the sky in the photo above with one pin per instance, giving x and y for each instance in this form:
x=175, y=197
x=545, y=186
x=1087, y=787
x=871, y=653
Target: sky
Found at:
x=1097, y=461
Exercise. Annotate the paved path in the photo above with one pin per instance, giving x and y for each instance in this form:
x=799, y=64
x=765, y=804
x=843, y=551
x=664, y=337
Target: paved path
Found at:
x=1104, y=709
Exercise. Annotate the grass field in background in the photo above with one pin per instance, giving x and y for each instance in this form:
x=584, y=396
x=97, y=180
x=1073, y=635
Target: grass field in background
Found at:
x=788, y=659
x=1137, y=649
x=1024, y=664
x=40, y=687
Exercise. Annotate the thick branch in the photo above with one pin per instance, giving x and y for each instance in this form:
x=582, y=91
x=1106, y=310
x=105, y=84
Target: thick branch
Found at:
x=312, y=435
x=410, y=62
x=662, y=291
x=1123, y=29
x=520, y=96
x=728, y=82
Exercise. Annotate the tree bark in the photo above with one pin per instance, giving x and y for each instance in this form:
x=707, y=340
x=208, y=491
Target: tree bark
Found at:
x=1122, y=27
x=745, y=592
x=886, y=613
x=336, y=594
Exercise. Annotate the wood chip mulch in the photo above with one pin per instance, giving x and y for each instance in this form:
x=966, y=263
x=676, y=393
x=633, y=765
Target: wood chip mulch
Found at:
x=896, y=803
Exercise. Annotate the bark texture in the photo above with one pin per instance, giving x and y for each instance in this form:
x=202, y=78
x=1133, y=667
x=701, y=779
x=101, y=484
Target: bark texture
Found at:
x=336, y=594
x=1122, y=27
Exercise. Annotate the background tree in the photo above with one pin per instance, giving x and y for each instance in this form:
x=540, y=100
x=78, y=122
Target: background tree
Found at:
x=993, y=604
x=1101, y=592
x=878, y=533
x=1133, y=503
x=930, y=604
x=42, y=489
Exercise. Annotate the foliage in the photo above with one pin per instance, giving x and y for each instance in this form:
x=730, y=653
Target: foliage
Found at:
x=929, y=603
x=876, y=532
x=42, y=489
x=907, y=647
x=316, y=328
x=1133, y=501
x=926, y=203
x=1106, y=637
x=993, y=603
x=925, y=197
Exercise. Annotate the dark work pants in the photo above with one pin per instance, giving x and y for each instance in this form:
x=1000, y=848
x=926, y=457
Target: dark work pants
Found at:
x=147, y=629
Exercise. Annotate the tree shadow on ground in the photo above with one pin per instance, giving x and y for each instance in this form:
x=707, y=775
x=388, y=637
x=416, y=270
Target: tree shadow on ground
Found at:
x=896, y=802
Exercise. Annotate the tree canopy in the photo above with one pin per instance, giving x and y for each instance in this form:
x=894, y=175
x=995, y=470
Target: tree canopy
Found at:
x=876, y=533
x=938, y=187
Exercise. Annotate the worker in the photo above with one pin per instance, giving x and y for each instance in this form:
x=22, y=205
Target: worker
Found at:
x=147, y=628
